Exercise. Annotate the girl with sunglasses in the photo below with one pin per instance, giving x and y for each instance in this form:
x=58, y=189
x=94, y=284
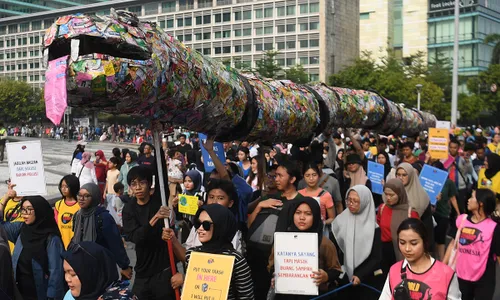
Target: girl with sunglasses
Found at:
x=36, y=260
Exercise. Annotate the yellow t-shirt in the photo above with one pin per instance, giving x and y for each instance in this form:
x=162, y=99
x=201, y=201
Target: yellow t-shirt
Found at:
x=64, y=220
x=12, y=213
x=485, y=183
x=494, y=149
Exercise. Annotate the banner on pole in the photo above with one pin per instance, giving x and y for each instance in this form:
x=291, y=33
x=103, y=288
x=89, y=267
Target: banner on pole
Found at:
x=208, y=276
x=26, y=168
x=295, y=259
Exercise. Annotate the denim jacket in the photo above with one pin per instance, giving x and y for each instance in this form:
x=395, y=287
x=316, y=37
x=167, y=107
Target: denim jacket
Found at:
x=47, y=285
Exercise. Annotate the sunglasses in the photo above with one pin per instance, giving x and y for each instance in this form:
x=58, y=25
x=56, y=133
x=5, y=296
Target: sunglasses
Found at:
x=205, y=224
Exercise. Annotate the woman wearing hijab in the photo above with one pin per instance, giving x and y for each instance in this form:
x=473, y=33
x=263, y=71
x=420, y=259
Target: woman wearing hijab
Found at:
x=417, y=197
x=357, y=235
x=93, y=223
x=86, y=170
x=7, y=274
x=354, y=174
x=130, y=162
x=306, y=217
x=90, y=272
x=216, y=228
x=489, y=177
x=391, y=214
x=36, y=260
x=101, y=168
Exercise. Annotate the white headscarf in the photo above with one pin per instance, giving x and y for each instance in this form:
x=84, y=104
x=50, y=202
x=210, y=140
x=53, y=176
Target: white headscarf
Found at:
x=355, y=232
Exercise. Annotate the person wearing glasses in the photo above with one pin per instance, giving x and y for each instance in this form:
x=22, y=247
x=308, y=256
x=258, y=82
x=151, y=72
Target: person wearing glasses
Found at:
x=90, y=272
x=66, y=208
x=417, y=198
x=143, y=219
x=36, y=261
x=358, y=237
x=93, y=223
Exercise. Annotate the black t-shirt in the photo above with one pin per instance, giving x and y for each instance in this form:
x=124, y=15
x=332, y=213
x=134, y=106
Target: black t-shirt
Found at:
x=183, y=149
x=25, y=279
x=151, y=250
x=147, y=161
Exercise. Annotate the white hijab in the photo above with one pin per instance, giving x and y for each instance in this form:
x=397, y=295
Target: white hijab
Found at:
x=355, y=232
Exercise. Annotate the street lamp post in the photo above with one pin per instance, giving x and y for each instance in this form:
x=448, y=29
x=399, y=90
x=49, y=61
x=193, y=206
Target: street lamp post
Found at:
x=419, y=88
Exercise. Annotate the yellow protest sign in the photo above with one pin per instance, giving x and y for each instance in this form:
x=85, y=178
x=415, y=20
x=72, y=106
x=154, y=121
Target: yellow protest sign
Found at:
x=438, y=143
x=188, y=204
x=208, y=276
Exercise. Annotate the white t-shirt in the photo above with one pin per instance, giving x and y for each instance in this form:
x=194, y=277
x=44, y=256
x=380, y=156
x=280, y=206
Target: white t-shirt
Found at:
x=174, y=170
x=193, y=240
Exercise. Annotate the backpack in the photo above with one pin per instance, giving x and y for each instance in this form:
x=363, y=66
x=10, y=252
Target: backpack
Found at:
x=261, y=233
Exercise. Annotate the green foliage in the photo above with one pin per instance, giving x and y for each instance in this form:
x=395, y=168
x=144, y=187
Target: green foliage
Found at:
x=481, y=86
x=267, y=66
x=494, y=38
x=20, y=102
x=297, y=74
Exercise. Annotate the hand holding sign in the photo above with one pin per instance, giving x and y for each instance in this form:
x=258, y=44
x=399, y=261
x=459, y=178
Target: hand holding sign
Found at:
x=208, y=144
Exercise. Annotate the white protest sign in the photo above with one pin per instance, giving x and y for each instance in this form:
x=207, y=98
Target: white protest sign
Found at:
x=295, y=259
x=26, y=168
x=443, y=124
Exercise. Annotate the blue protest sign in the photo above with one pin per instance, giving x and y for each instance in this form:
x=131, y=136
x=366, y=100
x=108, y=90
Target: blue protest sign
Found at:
x=432, y=180
x=219, y=151
x=376, y=175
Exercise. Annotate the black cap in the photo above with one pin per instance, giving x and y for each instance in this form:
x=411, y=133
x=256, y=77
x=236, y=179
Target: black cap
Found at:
x=353, y=159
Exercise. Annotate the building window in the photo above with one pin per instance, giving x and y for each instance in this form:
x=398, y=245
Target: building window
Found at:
x=198, y=20
x=36, y=25
x=304, y=60
x=206, y=51
x=259, y=31
x=218, y=34
x=290, y=28
x=314, y=26
x=314, y=43
x=218, y=18
x=226, y=34
x=247, y=32
x=268, y=30
x=188, y=21
x=290, y=62
x=13, y=28
x=23, y=27
x=226, y=49
x=304, y=9
x=151, y=8
x=237, y=49
x=290, y=10
x=258, y=47
x=226, y=17
x=247, y=15
x=237, y=15
x=1, y=44
x=281, y=28
x=290, y=45
x=313, y=60
x=364, y=16
x=304, y=26
x=304, y=44
x=280, y=11
x=268, y=46
x=280, y=45
x=180, y=22
x=206, y=35
x=188, y=37
x=280, y=62
x=3, y=30
x=47, y=23
x=1, y=68
x=237, y=32
x=217, y=50
x=259, y=14
x=313, y=77
x=207, y=19
x=314, y=7
x=170, y=23
x=136, y=9
x=180, y=38
x=268, y=12
x=1, y=55
x=247, y=48
x=168, y=6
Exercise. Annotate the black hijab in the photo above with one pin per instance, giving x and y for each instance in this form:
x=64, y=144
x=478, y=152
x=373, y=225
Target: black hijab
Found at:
x=493, y=165
x=34, y=236
x=387, y=165
x=95, y=267
x=317, y=226
x=224, y=228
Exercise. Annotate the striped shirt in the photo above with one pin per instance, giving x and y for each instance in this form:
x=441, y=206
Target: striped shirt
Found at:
x=241, y=286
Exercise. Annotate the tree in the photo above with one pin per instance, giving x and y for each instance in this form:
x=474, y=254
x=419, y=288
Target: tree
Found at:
x=490, y=101
x=495, y=39
x=20, y=102
x=439, y=71
x=267, y=66
x=361, y=74
x=297, y=74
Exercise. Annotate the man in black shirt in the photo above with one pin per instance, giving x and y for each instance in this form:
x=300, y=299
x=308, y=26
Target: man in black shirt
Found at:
x=147, y=159
x=183, y=147
x=142, y=223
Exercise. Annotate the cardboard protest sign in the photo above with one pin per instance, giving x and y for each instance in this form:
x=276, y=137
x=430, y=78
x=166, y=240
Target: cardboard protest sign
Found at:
x=188, y=204
x=432, y=180
x=376, y=175
x=26, y=168
x=438, y=143
x=208, y=276
x=207, y=160
x=295, y=259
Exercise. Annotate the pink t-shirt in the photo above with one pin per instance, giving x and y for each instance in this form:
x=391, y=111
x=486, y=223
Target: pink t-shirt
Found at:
x=325, y=201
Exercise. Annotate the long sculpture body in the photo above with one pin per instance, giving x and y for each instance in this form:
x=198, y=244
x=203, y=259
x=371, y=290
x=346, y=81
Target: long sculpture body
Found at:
x=118, y=64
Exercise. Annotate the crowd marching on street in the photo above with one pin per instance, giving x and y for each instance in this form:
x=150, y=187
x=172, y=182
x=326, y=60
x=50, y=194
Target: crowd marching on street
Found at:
x=396, y=244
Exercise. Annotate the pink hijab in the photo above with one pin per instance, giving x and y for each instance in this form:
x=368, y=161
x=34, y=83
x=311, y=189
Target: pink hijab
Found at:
x=86, y=160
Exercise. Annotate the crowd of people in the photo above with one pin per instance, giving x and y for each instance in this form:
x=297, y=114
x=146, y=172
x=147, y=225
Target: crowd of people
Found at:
x=386, y=246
